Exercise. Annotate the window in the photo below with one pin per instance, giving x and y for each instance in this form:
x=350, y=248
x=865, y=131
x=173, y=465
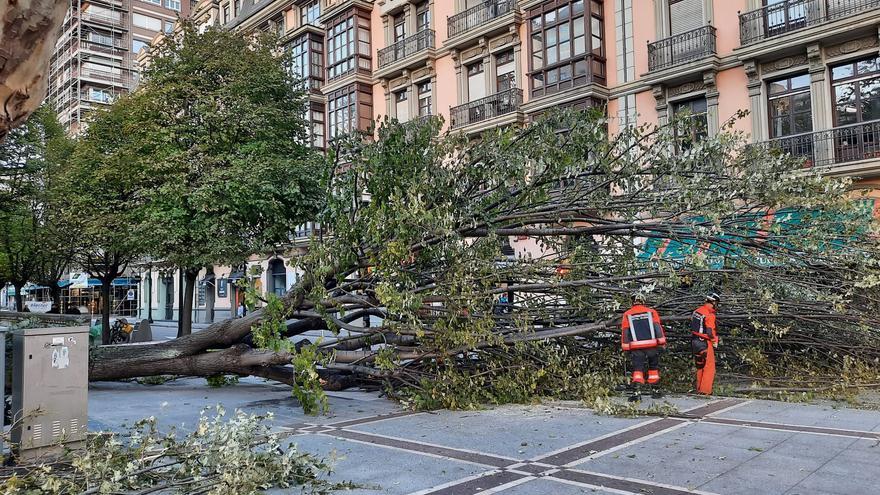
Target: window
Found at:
x=342, y=111
x=237, y=7
x=856, y=91
x=784, y=15
x=226, y=16
x=169, y=27
x=308, y=60
x=505, y=70
x=856, y=100
x=155, y=2
x=317, y=133
x=399, y=27
x=101, y=95
x=693, y=124
x=789, y=106
x=310, y=12
x=424, y=90
x=172, y=4
x=423, y=17
x=566, y=45
x=102, y=39
x=145, y=22
x=348, y=44
x=476, y=81
x=401, y=105
x=136, y=45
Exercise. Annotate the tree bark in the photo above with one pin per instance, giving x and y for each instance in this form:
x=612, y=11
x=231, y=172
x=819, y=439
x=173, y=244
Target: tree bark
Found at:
x=106, y=306
x=19, y=297
x=186, y=310
x=55, y=294
x=28, y=32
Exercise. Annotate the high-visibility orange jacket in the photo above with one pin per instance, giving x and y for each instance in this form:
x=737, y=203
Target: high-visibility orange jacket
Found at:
x=703, y=323
x=641, y=329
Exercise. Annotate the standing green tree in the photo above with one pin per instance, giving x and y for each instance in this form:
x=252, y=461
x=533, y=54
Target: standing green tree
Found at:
x=229, y=151
x=31, y=158
x=103, y=193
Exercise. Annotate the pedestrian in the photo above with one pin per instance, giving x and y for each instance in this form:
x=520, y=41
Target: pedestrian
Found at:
x=242, y=311
x=704, y=341
x=641, y=335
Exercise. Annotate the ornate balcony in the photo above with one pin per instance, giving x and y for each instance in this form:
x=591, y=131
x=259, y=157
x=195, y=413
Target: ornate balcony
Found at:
x=681, y=48
x=832, y=147
x=478, y=15
x=407, y=47
x=486, y=108
x=793, y=15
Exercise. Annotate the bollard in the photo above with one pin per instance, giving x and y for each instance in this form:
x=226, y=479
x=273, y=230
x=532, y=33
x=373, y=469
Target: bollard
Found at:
x=2, y=390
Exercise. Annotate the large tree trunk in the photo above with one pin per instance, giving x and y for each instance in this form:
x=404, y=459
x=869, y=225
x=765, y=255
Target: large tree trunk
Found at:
x=186, y=310
x=106, y=306
x=19, y=297
x=55, y=294
x=28, y=31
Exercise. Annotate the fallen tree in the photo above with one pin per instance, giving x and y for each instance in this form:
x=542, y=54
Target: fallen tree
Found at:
x=416, y=253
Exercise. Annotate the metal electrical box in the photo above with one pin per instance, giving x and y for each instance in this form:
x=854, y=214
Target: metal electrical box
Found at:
x=50, y=379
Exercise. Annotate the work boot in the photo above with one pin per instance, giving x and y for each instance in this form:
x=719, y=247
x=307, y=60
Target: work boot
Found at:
x=624, y=387
x=636, y=397
x=656, y=393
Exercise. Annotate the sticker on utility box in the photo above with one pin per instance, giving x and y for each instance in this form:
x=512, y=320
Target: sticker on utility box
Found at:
x=61, y=357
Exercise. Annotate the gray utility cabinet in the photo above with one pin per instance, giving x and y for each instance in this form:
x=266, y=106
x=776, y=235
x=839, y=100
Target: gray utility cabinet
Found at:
x=50, y=379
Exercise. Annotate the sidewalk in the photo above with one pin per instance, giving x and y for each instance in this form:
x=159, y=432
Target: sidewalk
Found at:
x=723, y=446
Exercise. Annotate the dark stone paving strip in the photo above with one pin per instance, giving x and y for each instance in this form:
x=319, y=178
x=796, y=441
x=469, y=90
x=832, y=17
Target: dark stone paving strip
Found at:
x=372, y=419
x=795, y=428
x=711, y=408
x=461, y=455
x=478, y=485
x=582, y=451
x=617, y=484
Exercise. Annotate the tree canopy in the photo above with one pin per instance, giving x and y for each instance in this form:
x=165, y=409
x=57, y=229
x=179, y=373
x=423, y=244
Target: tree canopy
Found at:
x=230, y=169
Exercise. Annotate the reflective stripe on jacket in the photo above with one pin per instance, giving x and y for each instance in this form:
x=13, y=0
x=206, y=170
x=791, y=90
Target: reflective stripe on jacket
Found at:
x=641, y=329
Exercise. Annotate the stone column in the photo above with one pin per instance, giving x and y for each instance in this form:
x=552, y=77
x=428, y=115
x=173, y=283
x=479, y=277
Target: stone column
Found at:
x=757, y=108
x=820, y=104
x=712, y=123
x=662, y=107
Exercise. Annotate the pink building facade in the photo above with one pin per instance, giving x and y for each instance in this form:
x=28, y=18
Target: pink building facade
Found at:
x=807, y=71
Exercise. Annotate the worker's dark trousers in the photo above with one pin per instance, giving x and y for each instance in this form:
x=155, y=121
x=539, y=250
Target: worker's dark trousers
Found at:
x=643, y=361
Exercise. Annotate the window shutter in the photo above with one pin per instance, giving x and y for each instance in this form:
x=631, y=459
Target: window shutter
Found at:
x=685, y=15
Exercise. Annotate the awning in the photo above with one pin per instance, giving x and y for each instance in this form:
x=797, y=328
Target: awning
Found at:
x=236, y=275
x=122, y=281
x=209, y=277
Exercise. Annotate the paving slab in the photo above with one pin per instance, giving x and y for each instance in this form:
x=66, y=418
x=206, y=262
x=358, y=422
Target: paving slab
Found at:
x=178, y=403
x=548, y=487
x=824, y=415
x=511, y=431
x=381, y=470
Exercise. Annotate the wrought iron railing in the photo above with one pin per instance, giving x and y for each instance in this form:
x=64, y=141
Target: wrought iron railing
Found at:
x=477, y=15
x=792, y=15
x=849, y=143
x=681, y=48
x=406, y=47
x=486, y=108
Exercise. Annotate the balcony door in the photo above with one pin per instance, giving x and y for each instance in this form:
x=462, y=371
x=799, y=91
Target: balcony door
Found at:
x=685, y=16
x=782, y=16
x=856, y=87
x=791, y=116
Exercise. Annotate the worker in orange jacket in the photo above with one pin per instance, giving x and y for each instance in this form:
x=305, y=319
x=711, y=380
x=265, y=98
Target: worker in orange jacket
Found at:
x=704, y=340
x=642, y=336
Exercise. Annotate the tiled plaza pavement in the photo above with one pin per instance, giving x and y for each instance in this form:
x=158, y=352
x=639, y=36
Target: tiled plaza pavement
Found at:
x=723, y=446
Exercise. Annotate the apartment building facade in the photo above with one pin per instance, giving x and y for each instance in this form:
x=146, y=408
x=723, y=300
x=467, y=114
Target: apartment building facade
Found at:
x=807, y=71
x=95, y=57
